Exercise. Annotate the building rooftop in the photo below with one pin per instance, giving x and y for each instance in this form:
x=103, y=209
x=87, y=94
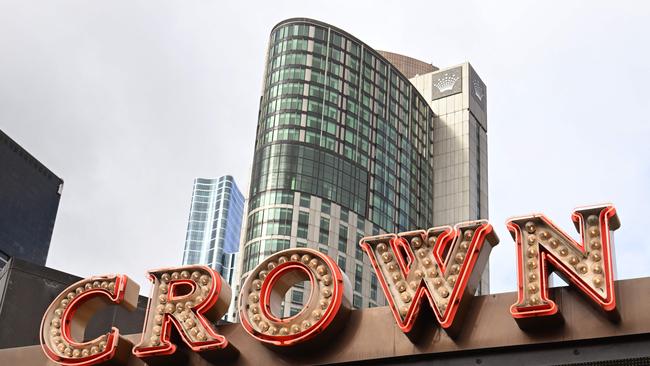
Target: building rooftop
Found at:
x=19, y=150
x=408, y=66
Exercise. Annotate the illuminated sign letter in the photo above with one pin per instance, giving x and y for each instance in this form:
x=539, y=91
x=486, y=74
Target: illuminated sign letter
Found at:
x=64, y=322
x=443, y=264
x=587, y=265
x=264, y=290
x=188, y=298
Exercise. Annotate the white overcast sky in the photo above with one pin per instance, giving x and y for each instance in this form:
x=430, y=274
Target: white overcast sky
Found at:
x=128, y=101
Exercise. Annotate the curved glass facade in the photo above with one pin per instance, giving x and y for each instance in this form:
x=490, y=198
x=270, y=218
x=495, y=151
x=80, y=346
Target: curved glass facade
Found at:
x=339, y=121
x=311, y=170
x=343, y=150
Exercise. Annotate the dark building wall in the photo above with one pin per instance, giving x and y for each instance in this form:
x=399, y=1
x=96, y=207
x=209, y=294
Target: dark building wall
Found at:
x=26, y=290
x=29, y=199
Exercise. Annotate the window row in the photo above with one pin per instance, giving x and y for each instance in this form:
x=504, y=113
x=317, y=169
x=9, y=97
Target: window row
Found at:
x=271, y=221
x=255, y=252
x=271, y=198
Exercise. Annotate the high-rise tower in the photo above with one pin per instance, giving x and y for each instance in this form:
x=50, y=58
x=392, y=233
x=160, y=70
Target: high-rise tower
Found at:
x=214, y=226
x=345, y=148
x=29, y=201
x=458, y=99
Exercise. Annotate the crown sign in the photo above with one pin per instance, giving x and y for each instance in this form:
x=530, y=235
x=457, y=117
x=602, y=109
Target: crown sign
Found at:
x=446, y=82
x=478, y=90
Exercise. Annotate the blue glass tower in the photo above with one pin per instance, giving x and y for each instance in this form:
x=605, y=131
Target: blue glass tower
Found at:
x=214, y=226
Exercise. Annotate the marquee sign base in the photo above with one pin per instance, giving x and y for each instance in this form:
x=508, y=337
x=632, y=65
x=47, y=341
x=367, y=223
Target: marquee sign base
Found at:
x=490, y=333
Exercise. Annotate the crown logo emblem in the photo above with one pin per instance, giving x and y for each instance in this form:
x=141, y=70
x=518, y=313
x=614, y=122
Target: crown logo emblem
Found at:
x=446, y=82
x=478, y=90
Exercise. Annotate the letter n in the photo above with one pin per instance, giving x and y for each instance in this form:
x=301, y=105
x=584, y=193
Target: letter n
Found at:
x=542, y=247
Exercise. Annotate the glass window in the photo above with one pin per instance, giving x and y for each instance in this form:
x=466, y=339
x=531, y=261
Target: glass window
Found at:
x=352, y=62
x=320, y=33
x=344, y=214
x=325, y=207
x=305, y=200
x=320, y=48
x=341, y=262
x=357, y=301
x=354, y=49
x=335, y=69
x=328, y=143
x=296, y=297
x=334, y=83
x=358, y=278
x=331, y=112
x=333, y=97
x=358, y=252
x=323, y=236
x=335, y=54
x=303, y=224
x=373, y=286
x=336, y=39
x=329, y=127
x=316, y=91
x=343, y=239
x=361, y=223
x=313, y=121
x=315, y=107
x=317, y=77
x=318, y=62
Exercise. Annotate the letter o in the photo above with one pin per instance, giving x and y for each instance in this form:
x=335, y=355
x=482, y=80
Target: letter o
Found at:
x=326, y=309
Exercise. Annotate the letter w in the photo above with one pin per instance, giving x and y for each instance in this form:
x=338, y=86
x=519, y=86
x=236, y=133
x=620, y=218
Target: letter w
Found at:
x=443, y=263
